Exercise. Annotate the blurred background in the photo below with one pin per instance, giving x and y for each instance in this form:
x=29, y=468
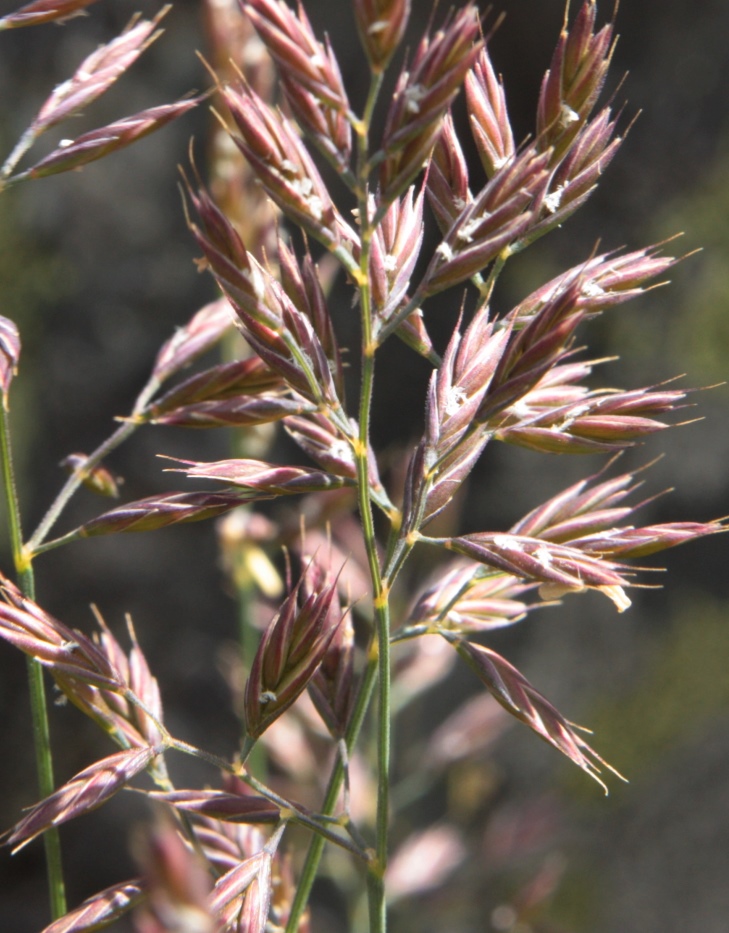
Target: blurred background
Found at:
x=97, y=270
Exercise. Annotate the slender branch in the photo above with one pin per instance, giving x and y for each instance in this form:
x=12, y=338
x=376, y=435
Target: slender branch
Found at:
x=54, y=543
x=292, y=811
x=402, y=315
x=411, y=631
x=297, y=815
x=215, y=760
x=429, y=628
x=125, y=430
x=484, y=286
x=25, y=142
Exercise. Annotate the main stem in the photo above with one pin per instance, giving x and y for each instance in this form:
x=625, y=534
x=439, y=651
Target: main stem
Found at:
x=316, y=847
x=36, y=685
x=381, y=642
x=378, y=667
x=375, y=881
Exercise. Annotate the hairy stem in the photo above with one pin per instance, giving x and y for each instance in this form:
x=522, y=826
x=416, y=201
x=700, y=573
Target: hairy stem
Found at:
x=25, y=142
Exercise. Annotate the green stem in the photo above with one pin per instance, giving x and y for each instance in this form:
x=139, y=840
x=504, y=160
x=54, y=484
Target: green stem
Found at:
x=46, y=785
x=11, y=501
x=316, y=847
x=378, y=667
x=38, y=704
x=375, y=878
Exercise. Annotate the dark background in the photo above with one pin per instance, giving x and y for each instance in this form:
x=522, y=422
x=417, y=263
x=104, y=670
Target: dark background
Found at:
x=96, y=268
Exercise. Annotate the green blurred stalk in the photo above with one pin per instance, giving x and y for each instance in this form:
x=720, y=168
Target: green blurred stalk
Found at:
x=38, y=703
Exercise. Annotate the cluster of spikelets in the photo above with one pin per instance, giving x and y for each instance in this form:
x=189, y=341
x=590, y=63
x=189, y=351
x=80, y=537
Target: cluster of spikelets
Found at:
x=512, y=378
